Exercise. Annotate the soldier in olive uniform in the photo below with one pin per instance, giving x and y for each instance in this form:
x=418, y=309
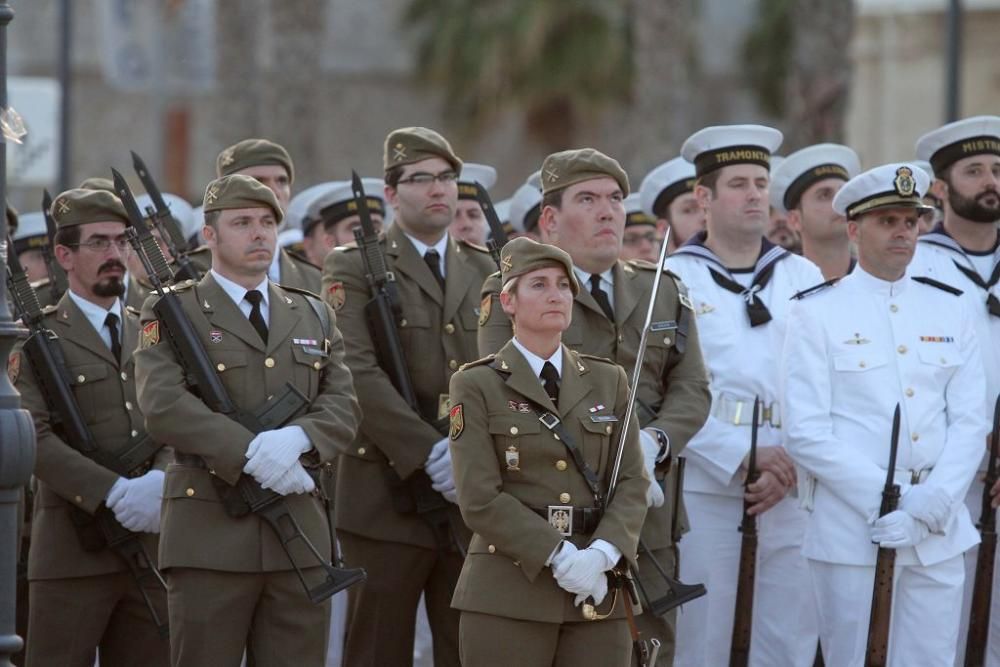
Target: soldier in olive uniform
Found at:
x=82, y=599
x=583, y=214
x=270, y=164
x=229, y=582
x=533, y=495
x=438, y=281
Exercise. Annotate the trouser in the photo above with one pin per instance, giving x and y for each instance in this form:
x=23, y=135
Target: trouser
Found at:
x=215, y=615
x=495, y=641
x=925, y=607
x=663, y=627
x=974, y=501
x=382, y=610
x=69, y=619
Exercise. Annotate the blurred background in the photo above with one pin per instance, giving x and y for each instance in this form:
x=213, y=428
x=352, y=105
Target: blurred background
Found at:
x=507, y=81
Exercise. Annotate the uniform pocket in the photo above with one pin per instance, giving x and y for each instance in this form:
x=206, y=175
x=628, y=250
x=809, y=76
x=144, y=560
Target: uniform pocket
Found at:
x=510, y=433
x=858, y=362
x=89, y=389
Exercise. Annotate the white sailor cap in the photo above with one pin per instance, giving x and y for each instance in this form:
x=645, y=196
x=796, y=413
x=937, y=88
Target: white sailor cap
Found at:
x=182, y=211
x=719, y=146
x=198, y=216
x=502, y=208
x=31, y=232
x=290, y=238
x=298, y=207
x=796, y=173
x=634, y=214
x=896, y=185
x=664, y=184
x=525, y=207
x=337, y=202
x=473, y=173
x=535, y=179
x=952, y=142
x=926, y=166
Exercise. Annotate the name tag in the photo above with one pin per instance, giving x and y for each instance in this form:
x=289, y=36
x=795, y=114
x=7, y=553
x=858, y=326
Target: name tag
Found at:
x=600, y=419
x=666, y=325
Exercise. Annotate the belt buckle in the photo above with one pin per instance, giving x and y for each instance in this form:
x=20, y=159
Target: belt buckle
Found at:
x=561, y=518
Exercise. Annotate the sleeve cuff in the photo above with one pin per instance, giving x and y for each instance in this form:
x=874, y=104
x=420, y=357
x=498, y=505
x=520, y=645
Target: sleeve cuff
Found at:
x=609, y=550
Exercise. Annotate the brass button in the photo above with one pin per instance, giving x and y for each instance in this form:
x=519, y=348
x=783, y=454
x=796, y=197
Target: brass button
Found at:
x=453, y=365
x=134, y=433
x=124, y=376
x=402, y=322
x=220, y=367
x=128, y=405
x=607, y=429
x=517, y=563
x=564, y=498
x=894, y=308
x=316, y=365
x=666, y=340
x=861, y=364
x=909, y=392
x=392, y=464
x=78, y=499
x=361, y=451
x=915, y=437
x=81, y=378
x=492, y=549
x=189, y=492
x=513, y=430
x=449, y=328
x=621, y=338
x=560, y=465
x=901, y=349
x=269, y=362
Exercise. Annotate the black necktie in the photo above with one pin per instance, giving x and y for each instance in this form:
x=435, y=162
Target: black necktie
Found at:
x=433, y=260
x=756, y=310
x=992, y=303
x=600, y=296
x=111, y=322
x=550, y=380
x=256, y=317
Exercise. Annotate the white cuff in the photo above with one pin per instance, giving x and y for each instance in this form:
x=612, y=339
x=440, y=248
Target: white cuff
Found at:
x=609, y=550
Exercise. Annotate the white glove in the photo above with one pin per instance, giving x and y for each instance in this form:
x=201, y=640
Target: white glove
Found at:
x=272, y=453
x=136, y=502
x=599, y=592
x=930, y=504
x=579, y=572
x=562, y=552
x=438, y=467
x=295, y=480
x=650, y=448
x=898, y=529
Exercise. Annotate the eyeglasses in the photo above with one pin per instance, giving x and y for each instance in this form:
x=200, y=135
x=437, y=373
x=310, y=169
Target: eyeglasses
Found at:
x=636, y=239
x=101, y=244
x=423, y=179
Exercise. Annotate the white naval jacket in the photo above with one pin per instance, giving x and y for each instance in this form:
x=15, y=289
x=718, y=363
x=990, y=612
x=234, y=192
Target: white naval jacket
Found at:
x=742, y=360
x=854, y=351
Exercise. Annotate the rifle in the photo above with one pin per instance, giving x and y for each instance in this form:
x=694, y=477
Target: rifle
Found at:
x=982, y=589
x=100, y=530
x=876, y=654
x=739, y=651
x=247, y=496
x=57, y=277
x=166, y=223
x=415, y=493
x=498, y=237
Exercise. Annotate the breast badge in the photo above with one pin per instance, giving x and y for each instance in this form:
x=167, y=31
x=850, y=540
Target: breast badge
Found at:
x=857, y=340
x=513, y=458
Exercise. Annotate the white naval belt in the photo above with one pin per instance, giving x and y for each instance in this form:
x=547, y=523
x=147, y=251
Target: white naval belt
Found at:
x=807, y=483
x=739, y=412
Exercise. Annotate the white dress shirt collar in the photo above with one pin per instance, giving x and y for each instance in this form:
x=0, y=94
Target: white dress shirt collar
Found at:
x=441, y=246
x=536, y=362
x=96, y=315
x=877, y=285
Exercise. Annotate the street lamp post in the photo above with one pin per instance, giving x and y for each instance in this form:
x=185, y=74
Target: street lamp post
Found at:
x=17, y=433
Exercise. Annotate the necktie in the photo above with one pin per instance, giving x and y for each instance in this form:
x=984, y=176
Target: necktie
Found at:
x=992, y=303
x=601, y=297
x=256, y=317
x=550, y=380
x=433, y=260
x=756, y=310
x=111, y=322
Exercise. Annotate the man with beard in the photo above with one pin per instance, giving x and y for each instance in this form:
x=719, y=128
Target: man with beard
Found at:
x=81, y=599
x=402, y=451
x=667, y=193
x=803, y=187
x=964, y=250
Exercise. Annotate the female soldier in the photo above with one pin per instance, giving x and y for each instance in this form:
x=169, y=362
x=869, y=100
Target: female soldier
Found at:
x=541, y=544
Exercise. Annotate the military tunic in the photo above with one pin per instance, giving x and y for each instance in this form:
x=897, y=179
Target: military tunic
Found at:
x=83, y=599
x=505, y=572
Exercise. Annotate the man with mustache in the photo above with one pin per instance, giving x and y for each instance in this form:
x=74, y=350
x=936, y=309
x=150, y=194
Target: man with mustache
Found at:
x=964, y=250
x=741, y=284
x=583, y=213
x=438, y=279
x=231, y=586
x=883, y=337
x=82, y=599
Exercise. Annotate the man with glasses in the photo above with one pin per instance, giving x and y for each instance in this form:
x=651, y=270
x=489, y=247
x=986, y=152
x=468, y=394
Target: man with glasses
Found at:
x=437, y=279
x=82, y=599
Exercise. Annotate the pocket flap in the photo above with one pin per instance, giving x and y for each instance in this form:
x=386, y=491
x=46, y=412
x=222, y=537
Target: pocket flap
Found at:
x=939, y=354
x=87, y=373
x=504, y=425
x=858, y=362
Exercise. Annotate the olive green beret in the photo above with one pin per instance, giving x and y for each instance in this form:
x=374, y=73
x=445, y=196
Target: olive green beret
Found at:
x=98, y=183
x=566, y=168
x=239, y=191
x=253, y=153
x=413, y=144
x=522, y=255
x=80, y=207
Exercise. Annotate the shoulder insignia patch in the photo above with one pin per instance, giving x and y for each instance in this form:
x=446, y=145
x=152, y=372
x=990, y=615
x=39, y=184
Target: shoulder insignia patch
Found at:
x=944, y=287
x=478, y=362
x=150, y=335
x=457, y=421
x=485, y=306
x=297, y=290
x=14, y=367
x=816, y=288
x=336, y=295
x=474, y=246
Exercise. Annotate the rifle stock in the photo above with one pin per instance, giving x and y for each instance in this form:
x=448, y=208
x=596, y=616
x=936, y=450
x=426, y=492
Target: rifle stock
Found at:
x=739, y=651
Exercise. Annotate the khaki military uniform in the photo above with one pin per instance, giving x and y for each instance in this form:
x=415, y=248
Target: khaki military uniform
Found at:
x=399, y=551
x=508, y=467
x=229, y=582
x=297, y=272
x=80, y=599
x=672, y=396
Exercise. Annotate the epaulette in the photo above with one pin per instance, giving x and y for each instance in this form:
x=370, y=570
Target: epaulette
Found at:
x=132, y=310
x=478, y=362
x=183, y=285
x=49, y=309
x=816, y=288
x=474, y=246
x=301, y=259
x=350, y=245
x=298, y=290
x=42, y=282
x=944, y=287
x=594, y=357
